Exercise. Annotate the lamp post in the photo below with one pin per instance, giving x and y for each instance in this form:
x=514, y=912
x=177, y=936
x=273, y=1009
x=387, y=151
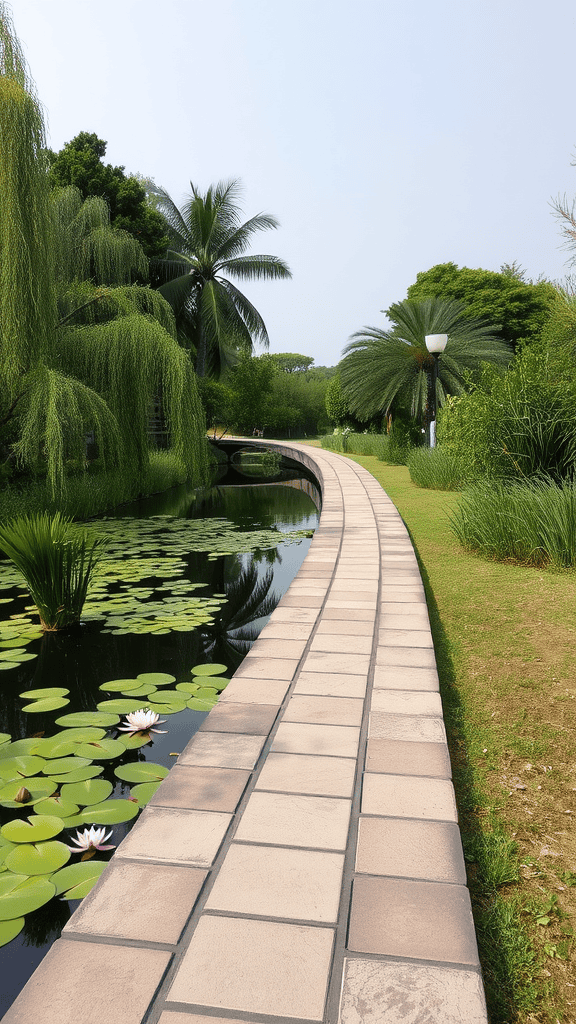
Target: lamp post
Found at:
x=435, y=343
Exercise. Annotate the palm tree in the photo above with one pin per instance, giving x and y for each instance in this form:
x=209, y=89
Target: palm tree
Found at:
x=209, y=244
x=383, y=369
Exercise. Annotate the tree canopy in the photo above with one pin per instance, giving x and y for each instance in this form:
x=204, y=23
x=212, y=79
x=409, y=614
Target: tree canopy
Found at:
x=518, y=308
x=208, y=247
x=80, y=162
x=384, y=369
x=292, y=362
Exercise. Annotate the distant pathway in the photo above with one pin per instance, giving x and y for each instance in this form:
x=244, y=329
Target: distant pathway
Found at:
x=302, y=861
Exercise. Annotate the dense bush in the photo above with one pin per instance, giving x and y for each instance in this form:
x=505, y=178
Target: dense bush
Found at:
x=437, y=469
x=533, y=522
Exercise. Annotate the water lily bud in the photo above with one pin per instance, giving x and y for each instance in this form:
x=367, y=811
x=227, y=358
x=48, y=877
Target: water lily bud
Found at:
x=23, y=795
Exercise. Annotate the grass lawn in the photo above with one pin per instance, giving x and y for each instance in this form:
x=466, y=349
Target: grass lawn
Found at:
x=505, y=639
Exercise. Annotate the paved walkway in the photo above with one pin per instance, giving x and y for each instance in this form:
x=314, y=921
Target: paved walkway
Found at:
x=302, y=860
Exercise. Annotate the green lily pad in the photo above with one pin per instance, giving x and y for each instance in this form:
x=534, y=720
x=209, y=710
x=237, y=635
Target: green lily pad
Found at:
x=35, y=829
x=208, y=670
x=188, y=687
x=78, y=719
x=5, y=737
x=55, y=747
x=48, y=691
x=48, y=704
x=144, y=792
x=120, y=705
x=10, y=929
x=111, y=812
x=76, y=880
x=80, y=734
x=20, y=767
x=143, y=691
x=80, y=775
x=92, y=791
x=156, y=678
x=20, y=895
x=38, y=858
x=206, y=691
x=120, y=685
x=136, y=740
x=204, y=704
x=218, y=682
x=39, y=789
x=143, y=771
x=101, y=750
x=170, y=708
x=19, y=748
x=62, y=765
x=58, y=806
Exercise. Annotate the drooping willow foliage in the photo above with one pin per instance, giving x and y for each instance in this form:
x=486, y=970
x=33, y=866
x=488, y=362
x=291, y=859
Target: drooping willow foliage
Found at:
x=83, y=347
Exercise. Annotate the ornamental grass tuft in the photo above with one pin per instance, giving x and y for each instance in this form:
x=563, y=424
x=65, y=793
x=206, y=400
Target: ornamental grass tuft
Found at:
x=56, y=559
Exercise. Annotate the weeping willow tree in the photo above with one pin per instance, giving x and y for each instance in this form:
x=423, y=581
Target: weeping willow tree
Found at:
x=82, y=347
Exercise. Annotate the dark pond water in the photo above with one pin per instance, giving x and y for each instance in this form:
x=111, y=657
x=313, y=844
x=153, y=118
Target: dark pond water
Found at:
x=245, y=586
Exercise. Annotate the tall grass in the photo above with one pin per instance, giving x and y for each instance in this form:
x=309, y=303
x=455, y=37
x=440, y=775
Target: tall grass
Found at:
x=437, y=469
x=56, y=559
x=533, y=522
x=384, y=447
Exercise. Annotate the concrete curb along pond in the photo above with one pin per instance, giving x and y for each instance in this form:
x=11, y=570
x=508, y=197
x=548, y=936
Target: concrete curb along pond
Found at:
x=302, y=860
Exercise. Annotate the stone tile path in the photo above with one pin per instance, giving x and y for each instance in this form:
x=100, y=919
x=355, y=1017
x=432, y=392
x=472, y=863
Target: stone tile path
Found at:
x=302, y=861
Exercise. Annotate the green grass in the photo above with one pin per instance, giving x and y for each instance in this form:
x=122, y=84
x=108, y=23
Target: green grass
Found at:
x=437, y=469
x=504, y=638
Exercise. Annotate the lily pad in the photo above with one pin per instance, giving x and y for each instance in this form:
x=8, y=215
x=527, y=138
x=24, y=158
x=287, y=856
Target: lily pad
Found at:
x=5, y=737
x=188, y=687
x=80, y=775
x=143, y=771
x=120, y=685
x=203, y=704
x=48, y=704
x=218, y=682
x=20, y=767
x=18, y=748
x=76, y=880
x=39, y=789
x=144, y=792
x=92, y=791
x=120, y=705
x=78, y=719
x=58, y=806
x=62, y=765
x=156, y=678
x=208, y=670
x=35, y=829
x=143, y=691
x=55, y=747
x=101, y=750
x=38, y=858
x=48, y=691
x=136, y=740
x=10, y=929
x=20, y=895
x=206, y=691
x=170, y=708
x=111, y=812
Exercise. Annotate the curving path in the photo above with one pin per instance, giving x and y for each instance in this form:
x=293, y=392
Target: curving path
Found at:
x=302, y=861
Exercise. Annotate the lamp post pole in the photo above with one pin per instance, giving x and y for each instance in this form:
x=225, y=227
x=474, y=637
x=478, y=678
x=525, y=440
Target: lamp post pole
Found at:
x=435, y=343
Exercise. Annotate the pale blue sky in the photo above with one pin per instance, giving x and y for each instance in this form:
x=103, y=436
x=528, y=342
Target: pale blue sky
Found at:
x=385, y=135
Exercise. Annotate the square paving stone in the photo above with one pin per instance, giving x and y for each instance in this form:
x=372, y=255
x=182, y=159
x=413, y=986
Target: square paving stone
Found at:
x=328, y=684
x=284, y=613
x=386, y=993
x=407, y=727
x=244, y=690
x=221, y=750
x=268, y=648
x=345, y=627
x=200, y=788
x=286, y=631
x=410, y=849
x=251, y=719
x=91, y=982
x=402, y=621
x=255, y=967
x=267, y=668
x=346, y=644
x=168, y=834
x=399, y=592
x=318, y=661
x=301, y=738
x=115, y=908
x=419, y=920
x=267, y=881
x=343, y=612
x=405, y=758
x=416, y=657
x=405, y=638
x=302, y=773
x=403, y=677
x=404, y=796
x=293, y=820
x=405, y=702
x=176, y=1017
x=324, y=710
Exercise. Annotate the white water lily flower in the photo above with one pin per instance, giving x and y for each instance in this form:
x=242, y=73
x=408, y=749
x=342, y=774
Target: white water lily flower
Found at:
x=142, y=721
x=90, y=839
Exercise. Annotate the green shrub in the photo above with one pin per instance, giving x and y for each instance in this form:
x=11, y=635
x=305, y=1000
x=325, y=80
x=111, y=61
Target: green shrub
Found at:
x=437, y=468
x=533, y=522
x=56, y=559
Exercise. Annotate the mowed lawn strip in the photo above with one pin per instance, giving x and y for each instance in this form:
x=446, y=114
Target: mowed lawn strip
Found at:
x=505, y=639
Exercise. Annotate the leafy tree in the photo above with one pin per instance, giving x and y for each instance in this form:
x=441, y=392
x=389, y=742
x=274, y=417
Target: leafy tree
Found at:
x=250, y=383
x=76, y=355
x=506, y=300
x=80, y=163
x=384, y=369
x=209, y=243
x=292, y=362
x=336, y=404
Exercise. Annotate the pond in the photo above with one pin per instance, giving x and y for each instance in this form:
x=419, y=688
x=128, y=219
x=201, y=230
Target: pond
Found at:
x=188, y=581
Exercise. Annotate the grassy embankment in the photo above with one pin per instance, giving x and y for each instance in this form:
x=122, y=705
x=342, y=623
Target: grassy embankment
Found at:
x=505, y=639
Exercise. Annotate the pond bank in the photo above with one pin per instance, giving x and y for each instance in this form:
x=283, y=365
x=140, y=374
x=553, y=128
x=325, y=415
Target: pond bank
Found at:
x=261, y=881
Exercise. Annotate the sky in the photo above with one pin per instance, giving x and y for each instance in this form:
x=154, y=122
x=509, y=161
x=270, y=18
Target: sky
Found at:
x=386, y=136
